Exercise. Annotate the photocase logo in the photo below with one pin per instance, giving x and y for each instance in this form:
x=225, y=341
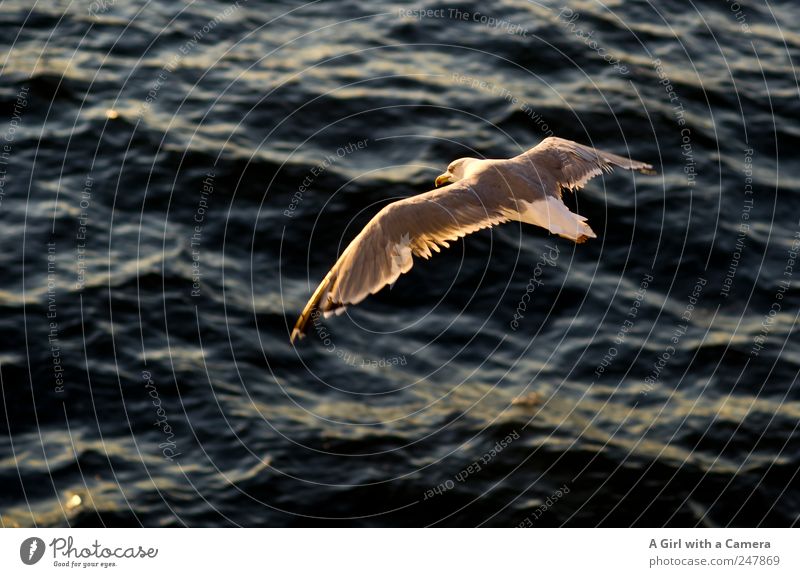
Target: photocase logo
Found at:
x=31, y=550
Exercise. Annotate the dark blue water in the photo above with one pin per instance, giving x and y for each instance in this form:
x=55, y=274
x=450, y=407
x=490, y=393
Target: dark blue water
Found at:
x=178, y=177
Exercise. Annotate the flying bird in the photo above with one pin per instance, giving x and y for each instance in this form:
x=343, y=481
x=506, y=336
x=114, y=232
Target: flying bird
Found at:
x=473, y=194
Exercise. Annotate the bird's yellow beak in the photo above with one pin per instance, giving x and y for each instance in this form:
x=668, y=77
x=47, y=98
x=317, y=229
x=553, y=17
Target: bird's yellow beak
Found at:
x=442, y=179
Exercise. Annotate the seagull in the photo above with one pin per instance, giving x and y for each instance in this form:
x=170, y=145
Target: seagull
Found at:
x=472, y=195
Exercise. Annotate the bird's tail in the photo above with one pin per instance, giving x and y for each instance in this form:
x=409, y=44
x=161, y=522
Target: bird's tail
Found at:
x=552, y=214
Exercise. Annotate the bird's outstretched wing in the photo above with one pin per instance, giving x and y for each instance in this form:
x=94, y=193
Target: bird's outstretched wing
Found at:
x=384, y=249
x=559, y=163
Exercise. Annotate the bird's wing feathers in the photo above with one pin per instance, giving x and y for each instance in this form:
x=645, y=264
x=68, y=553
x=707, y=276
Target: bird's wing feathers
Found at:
x=384, y=249
x=563, y=163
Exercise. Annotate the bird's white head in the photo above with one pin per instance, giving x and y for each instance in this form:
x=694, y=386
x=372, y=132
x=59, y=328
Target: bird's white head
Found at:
x=456, y=170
